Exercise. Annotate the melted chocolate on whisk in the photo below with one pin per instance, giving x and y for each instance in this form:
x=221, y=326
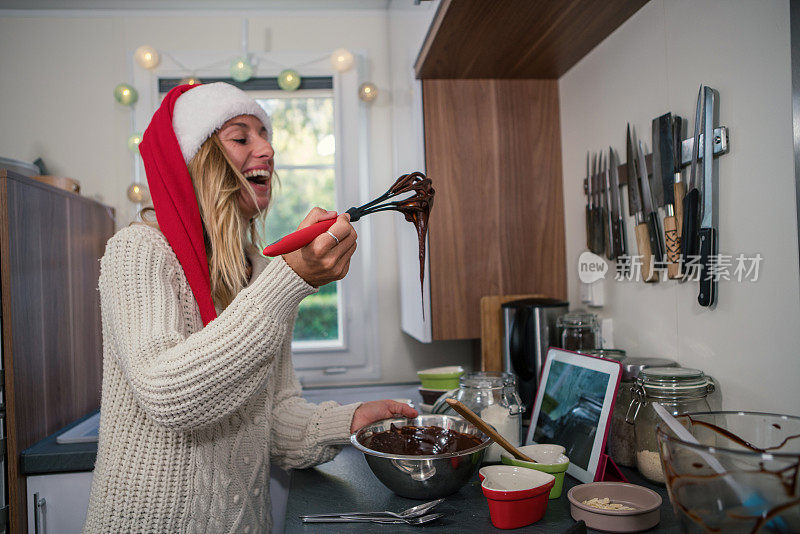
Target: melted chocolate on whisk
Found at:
x=420, y=440
x=416, y=210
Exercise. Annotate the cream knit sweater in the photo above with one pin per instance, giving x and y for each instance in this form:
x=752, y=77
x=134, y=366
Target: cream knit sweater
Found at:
x=190, y=416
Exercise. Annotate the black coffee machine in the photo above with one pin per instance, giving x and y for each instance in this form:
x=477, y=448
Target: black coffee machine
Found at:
x=529, y=329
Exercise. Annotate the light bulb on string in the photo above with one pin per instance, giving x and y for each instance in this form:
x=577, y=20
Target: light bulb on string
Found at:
x=133, y=142
x=289, y=80
x=367, y=92
x=190, y=80
x=138, y=193
x=341, y=60
x=125, y=94
x=147, y=57
x=241, y=70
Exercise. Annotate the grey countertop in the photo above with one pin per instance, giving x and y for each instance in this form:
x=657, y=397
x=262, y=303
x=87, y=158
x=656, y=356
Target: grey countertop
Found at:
x=347, y=484
x=47, y=456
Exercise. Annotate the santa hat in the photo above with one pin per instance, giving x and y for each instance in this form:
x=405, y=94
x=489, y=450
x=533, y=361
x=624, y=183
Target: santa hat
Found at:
x=188, y=115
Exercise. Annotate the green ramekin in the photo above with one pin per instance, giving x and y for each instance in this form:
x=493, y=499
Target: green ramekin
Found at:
x=557, y=470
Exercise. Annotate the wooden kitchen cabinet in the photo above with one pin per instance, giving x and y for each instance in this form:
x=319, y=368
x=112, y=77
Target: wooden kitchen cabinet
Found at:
x=50, y=245
x=490, y=102
x=493, y=151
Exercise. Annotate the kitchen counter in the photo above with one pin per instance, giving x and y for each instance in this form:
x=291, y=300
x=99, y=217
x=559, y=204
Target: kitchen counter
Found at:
x=347, y=484
x=47, y=456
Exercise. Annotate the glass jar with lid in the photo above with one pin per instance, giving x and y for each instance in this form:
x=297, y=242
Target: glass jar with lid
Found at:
x=579, y=331
x=621, y=439
x=494, y=398
x=679, y=390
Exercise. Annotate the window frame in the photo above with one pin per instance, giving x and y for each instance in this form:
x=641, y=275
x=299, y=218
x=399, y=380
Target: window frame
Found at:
x=358, y=358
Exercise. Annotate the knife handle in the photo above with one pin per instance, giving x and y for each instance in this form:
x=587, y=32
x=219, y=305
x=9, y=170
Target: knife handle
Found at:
x=656, y=244
x=617, y=237
x=672, y=244
x=608, y=241
x=643, y=243
x=599, y=243
x=588, y=228
x=708, y=284
x=691, y=211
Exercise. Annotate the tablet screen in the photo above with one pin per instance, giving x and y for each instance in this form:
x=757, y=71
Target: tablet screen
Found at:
x=571, y=408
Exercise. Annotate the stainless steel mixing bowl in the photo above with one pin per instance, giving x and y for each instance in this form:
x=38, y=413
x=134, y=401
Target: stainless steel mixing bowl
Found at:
x=428, y=476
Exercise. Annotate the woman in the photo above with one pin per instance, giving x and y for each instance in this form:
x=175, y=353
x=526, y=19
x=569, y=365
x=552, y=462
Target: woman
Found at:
x=199, y=393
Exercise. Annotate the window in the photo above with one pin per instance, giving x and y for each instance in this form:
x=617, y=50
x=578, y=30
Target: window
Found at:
x=305, y=161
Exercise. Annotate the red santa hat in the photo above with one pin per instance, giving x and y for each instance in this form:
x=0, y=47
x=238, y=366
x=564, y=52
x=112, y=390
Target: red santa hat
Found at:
x=188, y=115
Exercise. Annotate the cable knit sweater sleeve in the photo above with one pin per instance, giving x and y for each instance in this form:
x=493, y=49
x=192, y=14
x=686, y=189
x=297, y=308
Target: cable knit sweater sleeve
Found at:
x=185, y=383
x=305, y=434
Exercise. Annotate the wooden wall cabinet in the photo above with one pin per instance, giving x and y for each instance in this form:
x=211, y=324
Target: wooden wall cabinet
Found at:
x=50, y=245
x=489, y=75
x=493, y=151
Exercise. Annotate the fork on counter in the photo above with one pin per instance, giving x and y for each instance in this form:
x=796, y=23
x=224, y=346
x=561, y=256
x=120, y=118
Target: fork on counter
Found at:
x=410, y=513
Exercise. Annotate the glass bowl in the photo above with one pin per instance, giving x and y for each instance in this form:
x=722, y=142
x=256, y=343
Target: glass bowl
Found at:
x=742, y=477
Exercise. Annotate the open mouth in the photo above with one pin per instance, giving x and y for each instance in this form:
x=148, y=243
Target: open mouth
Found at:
x=259, y=177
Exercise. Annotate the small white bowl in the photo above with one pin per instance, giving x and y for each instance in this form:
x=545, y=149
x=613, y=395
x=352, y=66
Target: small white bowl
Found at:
x=544, y=453
x=511, y=478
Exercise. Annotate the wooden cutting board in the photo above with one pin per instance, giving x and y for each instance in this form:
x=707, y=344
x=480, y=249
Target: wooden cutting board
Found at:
x=492, y=329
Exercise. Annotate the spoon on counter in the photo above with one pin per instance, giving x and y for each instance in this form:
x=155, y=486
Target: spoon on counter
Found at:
x=484, y=427
x=410, y=513
x=385, y=520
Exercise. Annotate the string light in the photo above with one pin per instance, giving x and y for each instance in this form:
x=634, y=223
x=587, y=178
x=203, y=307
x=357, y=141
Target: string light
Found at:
x=367, y=92
x=138, y=193
x=133, y=142
x=241, y=69
x=147, y=57
x=289, y=80
x=341, y=60
x=190, y=80
x=125, y=94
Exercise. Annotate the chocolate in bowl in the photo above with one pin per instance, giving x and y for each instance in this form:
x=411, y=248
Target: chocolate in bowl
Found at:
x=420, y=440
x=422, y=476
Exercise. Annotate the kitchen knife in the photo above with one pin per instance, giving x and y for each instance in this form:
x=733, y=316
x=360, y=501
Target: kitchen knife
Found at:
x=599, y=243
x=691, y=203
x=588, y=202
x=618, y=237
x=708, y=241
x=679, y=187
x=607, y=217
x=651, y=213
x=635, y=209
x=664, y=174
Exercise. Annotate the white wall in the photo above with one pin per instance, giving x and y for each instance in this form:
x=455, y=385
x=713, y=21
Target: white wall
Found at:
x=60, y=68
x=652, y=64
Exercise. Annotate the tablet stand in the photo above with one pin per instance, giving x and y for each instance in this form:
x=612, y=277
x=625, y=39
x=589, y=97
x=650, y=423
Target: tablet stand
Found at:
x=607, y=470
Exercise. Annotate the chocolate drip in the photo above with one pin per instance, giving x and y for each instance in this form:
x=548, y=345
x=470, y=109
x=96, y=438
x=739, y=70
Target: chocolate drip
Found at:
x=416, y=210
x=736, y=439
x=420, y=440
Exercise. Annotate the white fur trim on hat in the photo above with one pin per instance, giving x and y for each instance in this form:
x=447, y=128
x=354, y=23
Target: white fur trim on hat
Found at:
x=202, y=110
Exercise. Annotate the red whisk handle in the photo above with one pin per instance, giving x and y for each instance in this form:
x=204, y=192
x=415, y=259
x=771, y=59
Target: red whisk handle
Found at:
x=298, y=239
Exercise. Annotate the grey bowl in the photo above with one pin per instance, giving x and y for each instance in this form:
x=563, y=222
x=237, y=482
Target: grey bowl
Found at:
x=427, y=476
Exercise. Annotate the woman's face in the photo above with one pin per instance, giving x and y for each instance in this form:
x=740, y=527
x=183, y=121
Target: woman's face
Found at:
x=244, y=140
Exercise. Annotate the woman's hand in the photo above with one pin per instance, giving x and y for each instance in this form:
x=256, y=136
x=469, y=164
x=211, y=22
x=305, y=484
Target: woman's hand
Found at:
x=324, y=260
x=369, y=412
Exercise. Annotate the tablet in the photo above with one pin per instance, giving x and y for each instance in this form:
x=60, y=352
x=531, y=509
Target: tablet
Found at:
x=573, y=407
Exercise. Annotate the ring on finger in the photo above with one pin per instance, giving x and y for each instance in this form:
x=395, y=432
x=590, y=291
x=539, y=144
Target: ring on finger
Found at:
x=333, y=236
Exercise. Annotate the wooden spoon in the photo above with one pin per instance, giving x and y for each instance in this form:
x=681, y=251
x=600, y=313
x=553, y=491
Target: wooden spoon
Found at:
x=484, y=427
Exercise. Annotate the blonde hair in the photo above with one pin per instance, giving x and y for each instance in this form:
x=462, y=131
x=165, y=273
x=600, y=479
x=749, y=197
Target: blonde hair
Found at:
x=228, y=237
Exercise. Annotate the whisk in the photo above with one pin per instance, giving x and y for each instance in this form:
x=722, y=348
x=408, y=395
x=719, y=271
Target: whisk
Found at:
x=415, y=208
